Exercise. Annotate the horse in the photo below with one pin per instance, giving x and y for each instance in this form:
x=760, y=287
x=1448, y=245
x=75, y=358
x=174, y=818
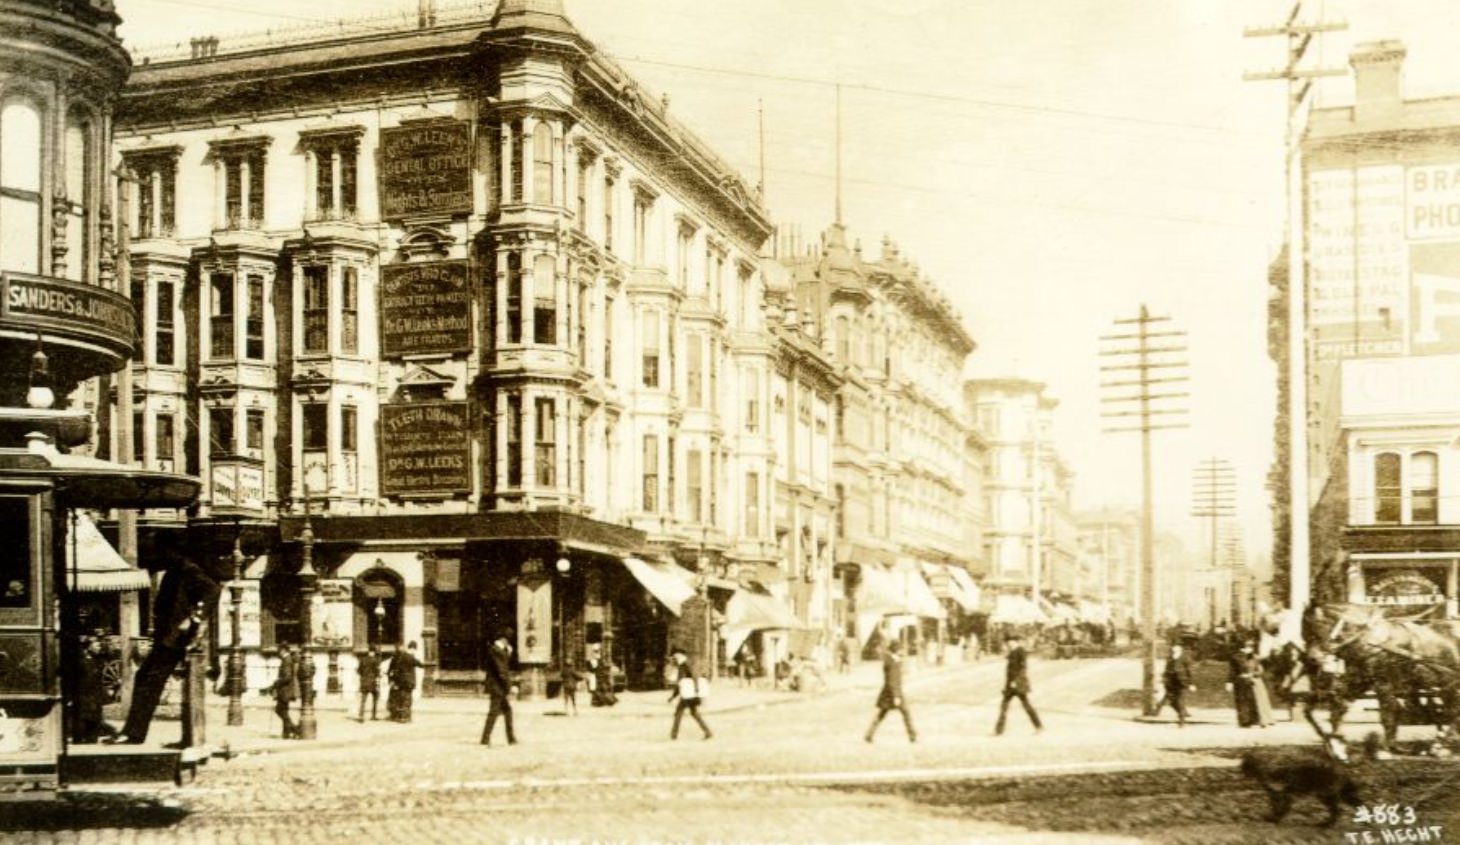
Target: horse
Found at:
x=1403, y=661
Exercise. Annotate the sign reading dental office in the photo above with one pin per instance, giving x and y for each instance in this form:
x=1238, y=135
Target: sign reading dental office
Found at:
x=425, y=169
x=425, y=449
x=425, y=308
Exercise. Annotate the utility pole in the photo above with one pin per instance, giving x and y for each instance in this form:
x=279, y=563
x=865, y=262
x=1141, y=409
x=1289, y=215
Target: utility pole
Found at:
x=1299, y=37
x=130, y=609
x=1142, y=360
x=1213, y=488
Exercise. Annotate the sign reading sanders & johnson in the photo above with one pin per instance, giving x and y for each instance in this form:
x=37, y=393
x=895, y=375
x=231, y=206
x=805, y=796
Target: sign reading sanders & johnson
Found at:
x=425, y=449
x=68, y=308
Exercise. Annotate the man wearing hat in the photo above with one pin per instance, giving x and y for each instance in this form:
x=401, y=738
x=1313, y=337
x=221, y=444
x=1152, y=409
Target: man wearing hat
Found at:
x=890, y=698
x=499, y=689
x=1016, y=685
x=687, y=690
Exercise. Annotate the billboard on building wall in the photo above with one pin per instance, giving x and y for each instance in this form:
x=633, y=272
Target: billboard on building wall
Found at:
x=424, y=308
x=425, y=449
x=425, y=169
x=1384, y=260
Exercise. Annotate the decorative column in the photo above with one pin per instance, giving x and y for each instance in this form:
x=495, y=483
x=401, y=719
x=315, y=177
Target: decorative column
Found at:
x=235, y=640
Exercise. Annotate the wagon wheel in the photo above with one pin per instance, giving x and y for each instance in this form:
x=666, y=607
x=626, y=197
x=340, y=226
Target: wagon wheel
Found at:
x=111, y=680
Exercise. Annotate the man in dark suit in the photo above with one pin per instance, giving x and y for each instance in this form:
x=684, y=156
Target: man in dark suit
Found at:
x=286, y=690
x=499, y=689
x=368, y=669
x=1176, y=678
x=891, y=696
x=182, y=604
x=687, y=690
x=1016, y=684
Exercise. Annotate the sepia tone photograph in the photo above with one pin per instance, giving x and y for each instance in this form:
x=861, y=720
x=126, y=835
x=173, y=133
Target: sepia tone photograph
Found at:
x=556, y=422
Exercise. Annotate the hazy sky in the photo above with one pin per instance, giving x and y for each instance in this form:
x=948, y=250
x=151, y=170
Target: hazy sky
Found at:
x=1051, y=164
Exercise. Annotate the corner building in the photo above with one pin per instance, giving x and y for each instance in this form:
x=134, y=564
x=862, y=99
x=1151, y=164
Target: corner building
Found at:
x=467, y=301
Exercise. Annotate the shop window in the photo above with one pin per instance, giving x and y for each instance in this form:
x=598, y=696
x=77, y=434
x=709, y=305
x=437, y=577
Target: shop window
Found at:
x=542, y=164
x=1424, y=488
x=651, y=473
x=253, y=340
x=220, y=325
x=1388, y=491
x=220, y=431
x=164, y=331
x=547, y=437
x=316, y=308
x=21, y=151
x=544, y=300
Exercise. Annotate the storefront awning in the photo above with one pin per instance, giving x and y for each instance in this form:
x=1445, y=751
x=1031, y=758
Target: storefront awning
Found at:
x=865, y=556
x=1016, y=610
x=885, y=592
x=83, y=482
x=93, y=566
x=747, y=612
x=662, y=582
x=952, y=582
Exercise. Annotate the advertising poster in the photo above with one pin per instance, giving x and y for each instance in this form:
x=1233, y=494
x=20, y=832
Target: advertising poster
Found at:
x=535, y=620
x=250, y=611
x=334, y=614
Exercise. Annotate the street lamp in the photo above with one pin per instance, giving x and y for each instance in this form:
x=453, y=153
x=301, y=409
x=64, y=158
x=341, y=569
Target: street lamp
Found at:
x=379, y=614
x=563, y=566
x=703, y=583
x=308, y=579
x=235, y=644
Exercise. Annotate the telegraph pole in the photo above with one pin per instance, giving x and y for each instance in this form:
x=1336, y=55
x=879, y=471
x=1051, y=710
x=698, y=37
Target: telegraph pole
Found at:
x=1143, y=360
x=1299, y=37
x=1213, y=488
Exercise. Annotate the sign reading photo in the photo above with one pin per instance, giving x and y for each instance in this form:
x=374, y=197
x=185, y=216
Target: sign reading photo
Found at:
x=424, y=308
x=425, y=169
x=425, y=449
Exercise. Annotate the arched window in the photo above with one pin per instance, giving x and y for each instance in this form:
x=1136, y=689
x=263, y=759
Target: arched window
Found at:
x=1424, y=488
x=78, y=194
x=542, y=164
x=1388, y=490
x=21, y=150
x=378, y=597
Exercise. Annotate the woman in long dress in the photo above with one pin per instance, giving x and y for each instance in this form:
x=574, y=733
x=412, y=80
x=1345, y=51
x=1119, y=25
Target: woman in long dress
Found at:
x=1262, y=702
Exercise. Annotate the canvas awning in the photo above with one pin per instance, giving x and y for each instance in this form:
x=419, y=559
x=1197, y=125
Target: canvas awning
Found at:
x=662, y=582
x=747, y=612
x=93, y=566
x=1018, y=610
x=885, y=592
x=1092, y=612
x=952, y=582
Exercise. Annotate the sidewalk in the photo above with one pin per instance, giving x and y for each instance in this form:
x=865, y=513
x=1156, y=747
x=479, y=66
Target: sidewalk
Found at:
x=338, y=726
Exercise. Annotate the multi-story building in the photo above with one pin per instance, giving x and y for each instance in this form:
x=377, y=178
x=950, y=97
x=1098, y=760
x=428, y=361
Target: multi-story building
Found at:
x=465, y=312
x=1111, y=541
x=1028, y=492
x=1381, y=260
x=900, y=434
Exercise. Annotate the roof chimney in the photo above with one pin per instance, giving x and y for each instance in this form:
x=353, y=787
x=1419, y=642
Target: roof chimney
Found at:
x=1377, y=66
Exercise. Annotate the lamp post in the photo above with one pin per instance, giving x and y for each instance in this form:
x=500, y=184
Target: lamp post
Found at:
x=703, y=583
x=235, y=640
x=563, y=566
x=308, y=579
x=379, y=614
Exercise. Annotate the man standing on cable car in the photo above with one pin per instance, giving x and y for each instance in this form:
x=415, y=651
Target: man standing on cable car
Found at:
x=182, y=604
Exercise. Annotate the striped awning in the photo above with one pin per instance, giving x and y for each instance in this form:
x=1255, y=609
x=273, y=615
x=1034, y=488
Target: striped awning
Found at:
x=93, y=566
x=662, y=581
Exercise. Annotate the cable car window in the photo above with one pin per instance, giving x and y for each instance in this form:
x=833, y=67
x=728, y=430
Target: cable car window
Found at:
x=16, y=573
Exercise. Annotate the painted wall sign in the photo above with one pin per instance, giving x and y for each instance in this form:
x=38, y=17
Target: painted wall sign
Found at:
x=425, y=169
x=425, y=449
x=250, y=612
x=1405, y=588
x=535, y=620
x=333, y=619
x=424, y=308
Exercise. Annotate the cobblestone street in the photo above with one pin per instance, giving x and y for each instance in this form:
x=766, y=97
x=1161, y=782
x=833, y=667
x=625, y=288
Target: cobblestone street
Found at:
x=779, y=769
